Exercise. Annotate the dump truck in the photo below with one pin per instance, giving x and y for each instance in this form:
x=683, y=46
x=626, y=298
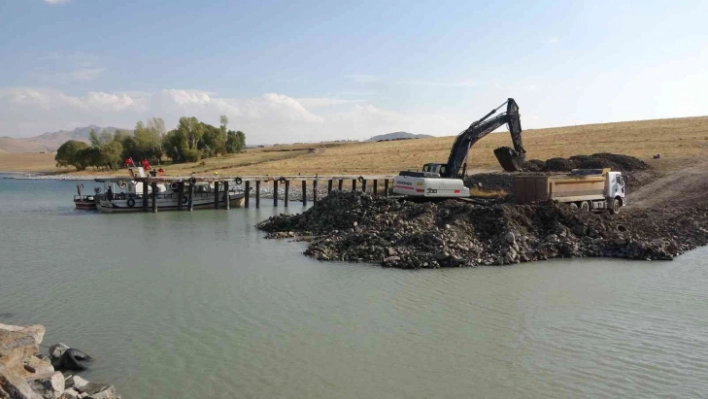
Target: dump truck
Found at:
x=585, y=189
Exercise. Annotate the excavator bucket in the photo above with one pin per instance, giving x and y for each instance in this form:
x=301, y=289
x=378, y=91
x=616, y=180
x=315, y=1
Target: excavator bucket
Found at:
x=510, y=159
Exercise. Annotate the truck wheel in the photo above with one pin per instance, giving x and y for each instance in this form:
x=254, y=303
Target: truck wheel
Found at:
x=573, y=206
x=615, y=207
x=585, y=206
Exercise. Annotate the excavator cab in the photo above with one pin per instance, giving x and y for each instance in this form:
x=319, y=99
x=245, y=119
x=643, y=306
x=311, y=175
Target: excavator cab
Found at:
x=434, y=169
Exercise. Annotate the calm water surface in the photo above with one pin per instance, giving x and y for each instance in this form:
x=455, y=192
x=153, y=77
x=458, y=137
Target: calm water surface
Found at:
x=199, y=305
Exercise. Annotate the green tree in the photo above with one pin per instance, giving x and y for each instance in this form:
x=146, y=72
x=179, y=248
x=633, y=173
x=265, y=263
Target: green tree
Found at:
x=175, y=145
x=235, y=141
x=67, y=154
x=93, y=138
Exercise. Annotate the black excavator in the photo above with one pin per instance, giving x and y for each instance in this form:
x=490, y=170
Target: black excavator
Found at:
x=446, y=180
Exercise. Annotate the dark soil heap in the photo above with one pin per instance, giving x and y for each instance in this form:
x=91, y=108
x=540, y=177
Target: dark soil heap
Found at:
x=618, y=162
x=355, y=226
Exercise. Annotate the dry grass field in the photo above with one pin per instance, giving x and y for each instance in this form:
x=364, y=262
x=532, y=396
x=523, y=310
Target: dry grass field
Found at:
x=675, y=139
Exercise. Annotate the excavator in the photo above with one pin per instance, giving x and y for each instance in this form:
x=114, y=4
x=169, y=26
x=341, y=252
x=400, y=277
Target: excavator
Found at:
x=446, y=180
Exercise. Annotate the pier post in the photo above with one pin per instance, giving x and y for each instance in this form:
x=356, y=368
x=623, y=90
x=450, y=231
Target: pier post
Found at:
x=341, y=184
x=287, y=192
x=353, y=184
x=314, y=191
x=145, y=195
x=258, y=193
x=304, y=192
x=329, y=186
x=216, y=195
x=180, y=195
x=190, y=202
x=376, y=186
x=275, y=192
x=386, y=188
x=363, y=185
x=227, y=199
x=154, y=197
x=248, y=194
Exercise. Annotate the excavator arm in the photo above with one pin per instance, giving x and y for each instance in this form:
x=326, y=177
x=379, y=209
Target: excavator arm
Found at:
x=510, y=159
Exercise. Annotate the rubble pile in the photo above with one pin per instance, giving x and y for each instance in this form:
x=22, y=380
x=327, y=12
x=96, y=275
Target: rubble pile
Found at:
x=355, y=226
x=27, y=374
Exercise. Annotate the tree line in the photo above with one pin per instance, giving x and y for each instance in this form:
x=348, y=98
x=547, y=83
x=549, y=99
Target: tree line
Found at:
x=191, y=141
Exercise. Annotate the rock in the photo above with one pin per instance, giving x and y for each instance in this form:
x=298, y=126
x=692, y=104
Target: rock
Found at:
x=57, y=350
x=49, y=386
x=71, y=393
x=77, y=383
x=103, y=392
x=15, y=386
x=510, y=238
x=18, y=343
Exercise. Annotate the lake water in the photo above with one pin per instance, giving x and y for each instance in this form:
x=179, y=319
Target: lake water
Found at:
x=200, y=305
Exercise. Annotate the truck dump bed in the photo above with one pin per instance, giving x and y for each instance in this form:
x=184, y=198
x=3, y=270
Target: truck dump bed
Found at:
x=561, y=188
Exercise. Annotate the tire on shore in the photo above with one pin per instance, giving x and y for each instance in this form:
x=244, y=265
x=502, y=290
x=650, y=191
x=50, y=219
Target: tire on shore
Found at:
x=73, y=359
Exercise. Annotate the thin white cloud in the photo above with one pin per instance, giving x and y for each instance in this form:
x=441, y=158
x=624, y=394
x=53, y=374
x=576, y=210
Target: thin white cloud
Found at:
x=362, y=78
x=461, y=83
x=319, y=102
x=56, y=1
x=68, y=67
x=83, y=74
x=552, y=40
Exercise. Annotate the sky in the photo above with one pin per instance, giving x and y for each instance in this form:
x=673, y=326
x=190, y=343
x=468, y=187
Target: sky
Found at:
x=305, y=71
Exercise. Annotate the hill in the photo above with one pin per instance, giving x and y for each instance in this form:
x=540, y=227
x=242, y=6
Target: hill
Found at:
x=49, y=142
x=399, y=136
x=677, y=140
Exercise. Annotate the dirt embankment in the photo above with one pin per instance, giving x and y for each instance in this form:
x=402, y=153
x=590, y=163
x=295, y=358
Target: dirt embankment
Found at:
x=668, y=215
x=354, y=226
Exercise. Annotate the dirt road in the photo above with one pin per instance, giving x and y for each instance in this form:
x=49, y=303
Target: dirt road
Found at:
x=678, y=186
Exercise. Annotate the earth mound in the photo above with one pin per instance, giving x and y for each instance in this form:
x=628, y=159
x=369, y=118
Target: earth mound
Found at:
x=355, y=226
x=618, y=162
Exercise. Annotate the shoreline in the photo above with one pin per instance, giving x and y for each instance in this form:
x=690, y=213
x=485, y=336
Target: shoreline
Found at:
x=27, y=373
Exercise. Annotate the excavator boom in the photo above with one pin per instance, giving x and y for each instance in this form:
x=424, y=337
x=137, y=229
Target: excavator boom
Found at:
x=510, y=159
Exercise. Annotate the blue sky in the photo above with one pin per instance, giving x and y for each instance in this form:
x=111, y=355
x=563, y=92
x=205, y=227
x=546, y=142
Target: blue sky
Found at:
x=286, y=71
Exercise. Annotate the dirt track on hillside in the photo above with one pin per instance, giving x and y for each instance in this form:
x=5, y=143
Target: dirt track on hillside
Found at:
x=682, y=187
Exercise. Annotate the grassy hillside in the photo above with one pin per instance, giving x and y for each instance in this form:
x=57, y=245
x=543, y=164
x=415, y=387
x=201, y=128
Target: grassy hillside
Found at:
x=674, y=139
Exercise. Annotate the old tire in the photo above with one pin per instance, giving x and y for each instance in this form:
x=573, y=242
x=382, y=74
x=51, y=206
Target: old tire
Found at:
x=615, y=206
x=238, y=180
x=69, y=361
x=130, y=203
x=585, y=206
x=573, y=206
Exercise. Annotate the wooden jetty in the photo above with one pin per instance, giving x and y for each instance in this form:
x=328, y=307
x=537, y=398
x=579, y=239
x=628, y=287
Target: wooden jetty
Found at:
x=186, y=184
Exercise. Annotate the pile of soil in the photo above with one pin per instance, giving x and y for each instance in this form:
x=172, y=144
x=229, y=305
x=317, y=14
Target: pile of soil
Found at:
x=355, y=226
x=618, y=162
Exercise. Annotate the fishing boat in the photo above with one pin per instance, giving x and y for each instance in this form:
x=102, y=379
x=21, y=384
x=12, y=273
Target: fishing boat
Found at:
x=83, y=201
x=128, y=195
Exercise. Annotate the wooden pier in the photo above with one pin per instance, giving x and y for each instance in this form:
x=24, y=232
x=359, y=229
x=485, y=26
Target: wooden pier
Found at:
x=224, y=184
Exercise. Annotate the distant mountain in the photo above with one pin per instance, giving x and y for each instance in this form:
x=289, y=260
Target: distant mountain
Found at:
x=49, y=142
x=399, y=136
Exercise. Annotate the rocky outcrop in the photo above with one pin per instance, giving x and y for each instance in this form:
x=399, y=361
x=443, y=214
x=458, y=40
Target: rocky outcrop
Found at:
x=27, y=374
x=354, y=226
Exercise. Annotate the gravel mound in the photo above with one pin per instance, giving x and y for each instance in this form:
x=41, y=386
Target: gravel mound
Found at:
x=355, y=226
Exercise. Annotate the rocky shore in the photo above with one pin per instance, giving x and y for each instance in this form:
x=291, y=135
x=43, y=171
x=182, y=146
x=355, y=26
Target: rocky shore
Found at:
x=355, y=226
x=27, y=374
